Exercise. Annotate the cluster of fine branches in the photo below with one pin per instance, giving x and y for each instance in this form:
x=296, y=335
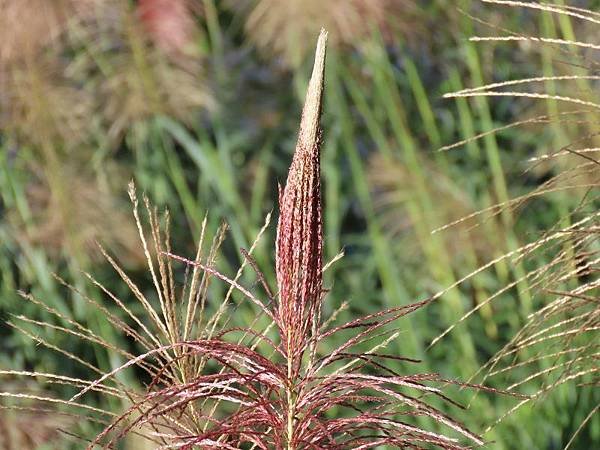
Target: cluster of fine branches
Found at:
x=271, y=384
x=559, y=342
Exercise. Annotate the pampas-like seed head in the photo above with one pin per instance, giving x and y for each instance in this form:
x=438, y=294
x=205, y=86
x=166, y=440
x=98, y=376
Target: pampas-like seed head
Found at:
x=299, y=244
x=169, y=23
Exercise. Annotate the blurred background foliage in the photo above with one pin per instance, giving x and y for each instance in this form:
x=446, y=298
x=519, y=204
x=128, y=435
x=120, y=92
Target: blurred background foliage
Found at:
x=198, y=101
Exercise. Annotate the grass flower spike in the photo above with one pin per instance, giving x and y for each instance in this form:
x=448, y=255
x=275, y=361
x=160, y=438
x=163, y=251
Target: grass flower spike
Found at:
x=299, y=231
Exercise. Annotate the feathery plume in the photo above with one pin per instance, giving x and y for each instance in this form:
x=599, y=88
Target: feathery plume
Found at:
x=169, y=23
x=285, y=28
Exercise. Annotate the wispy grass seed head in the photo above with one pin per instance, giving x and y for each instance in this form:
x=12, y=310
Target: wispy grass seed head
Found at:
x=285, y=28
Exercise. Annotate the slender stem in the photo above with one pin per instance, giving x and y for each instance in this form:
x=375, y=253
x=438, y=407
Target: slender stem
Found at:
x=291, y=407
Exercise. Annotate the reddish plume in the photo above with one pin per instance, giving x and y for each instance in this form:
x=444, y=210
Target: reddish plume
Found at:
x=168, y=22
x=299, y=254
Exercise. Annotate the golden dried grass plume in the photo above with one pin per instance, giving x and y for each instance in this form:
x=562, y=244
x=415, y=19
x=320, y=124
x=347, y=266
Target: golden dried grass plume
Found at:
x=285, y=28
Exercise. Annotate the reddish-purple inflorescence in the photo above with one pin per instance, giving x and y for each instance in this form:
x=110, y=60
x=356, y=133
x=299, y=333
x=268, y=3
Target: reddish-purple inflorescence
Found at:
x=299, y=255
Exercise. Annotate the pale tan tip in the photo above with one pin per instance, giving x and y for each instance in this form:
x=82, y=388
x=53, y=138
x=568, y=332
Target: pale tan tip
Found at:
x=309, y=126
